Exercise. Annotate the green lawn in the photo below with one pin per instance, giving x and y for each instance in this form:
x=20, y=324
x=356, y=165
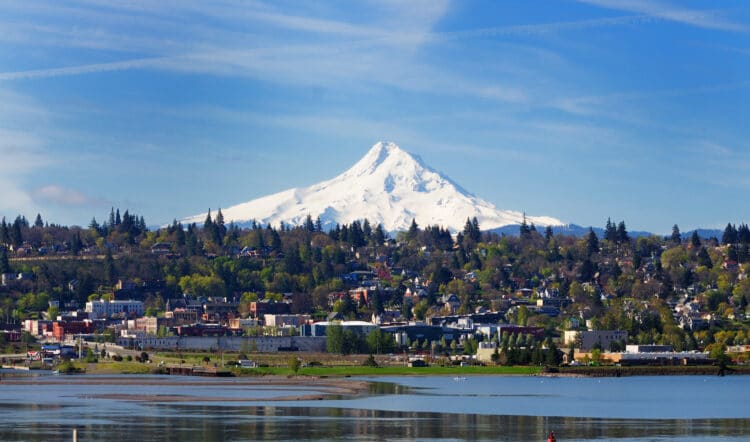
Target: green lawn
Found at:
x=391, y=371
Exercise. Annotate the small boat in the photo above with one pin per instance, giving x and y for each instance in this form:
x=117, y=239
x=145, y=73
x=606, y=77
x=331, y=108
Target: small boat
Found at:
x=459, y=378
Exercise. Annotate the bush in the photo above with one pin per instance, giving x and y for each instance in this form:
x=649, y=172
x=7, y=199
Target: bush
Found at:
x=129, y=358
x=370, y=362
x=117, y=358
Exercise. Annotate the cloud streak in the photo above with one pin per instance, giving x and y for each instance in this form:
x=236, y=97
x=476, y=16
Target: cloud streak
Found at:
x=692, y=17
x=63, y=196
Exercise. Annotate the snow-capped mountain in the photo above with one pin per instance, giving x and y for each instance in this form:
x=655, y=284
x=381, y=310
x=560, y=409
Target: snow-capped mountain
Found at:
x=388, y=186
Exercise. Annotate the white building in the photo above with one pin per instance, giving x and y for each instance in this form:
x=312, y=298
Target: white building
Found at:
x=104, y=309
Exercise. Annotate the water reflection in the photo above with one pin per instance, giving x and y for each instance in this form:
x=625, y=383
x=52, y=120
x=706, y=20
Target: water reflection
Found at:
x=179, y=422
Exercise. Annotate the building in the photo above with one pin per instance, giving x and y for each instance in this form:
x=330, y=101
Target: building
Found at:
x=285, y=320
x=61, y=329
x=103, y=308
x=485, y=350
x=181, y=316
x=38, y=328
x=587, y=340
x=265, y=306
x=149, y=324
x=360, y=327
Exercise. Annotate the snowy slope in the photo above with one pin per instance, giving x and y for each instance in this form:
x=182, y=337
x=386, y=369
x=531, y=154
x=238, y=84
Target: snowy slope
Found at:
x=388, y=186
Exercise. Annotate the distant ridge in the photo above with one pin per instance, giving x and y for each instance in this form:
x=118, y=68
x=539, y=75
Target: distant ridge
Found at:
x=387, y=186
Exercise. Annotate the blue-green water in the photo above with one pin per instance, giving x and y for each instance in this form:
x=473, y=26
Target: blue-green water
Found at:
x=668, y=408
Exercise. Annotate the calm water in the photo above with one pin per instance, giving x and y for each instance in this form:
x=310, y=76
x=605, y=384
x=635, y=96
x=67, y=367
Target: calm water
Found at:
x=670, y=408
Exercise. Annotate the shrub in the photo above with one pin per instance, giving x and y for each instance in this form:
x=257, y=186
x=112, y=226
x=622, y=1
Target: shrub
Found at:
x=370, y=362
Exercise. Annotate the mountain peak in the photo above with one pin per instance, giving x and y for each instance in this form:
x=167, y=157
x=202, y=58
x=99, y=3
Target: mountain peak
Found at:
x=388, y=186
x=382, y=153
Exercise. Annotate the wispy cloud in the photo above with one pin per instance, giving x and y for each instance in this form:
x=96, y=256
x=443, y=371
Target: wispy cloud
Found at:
x=693, y=17
x=82, y=69
x=63, y=196
x=546, y=28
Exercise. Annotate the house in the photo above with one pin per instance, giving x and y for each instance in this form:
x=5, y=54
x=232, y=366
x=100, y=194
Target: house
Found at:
x=450, y=302
x=161, y=248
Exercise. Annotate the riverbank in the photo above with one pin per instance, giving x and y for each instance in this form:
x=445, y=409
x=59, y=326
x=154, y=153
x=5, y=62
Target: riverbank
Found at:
x=647, y=370
x=309, y=388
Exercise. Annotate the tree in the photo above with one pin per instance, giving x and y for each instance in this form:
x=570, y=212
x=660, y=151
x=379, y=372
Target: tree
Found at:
x=695, y=240
x=730, y=235
x=719, y=355
x=704, y=259
x=4, y=262
x=522, y=317
x=622, y=233
x=109, y=272
x=16, y=236
x=335, y=339
x=676, y=237
x=610, y=231
x=524, y=230
x=294, y=364
x=592, y=242
x=4, y=233
x=413, y=230
x=38, y=221
x=379, y=342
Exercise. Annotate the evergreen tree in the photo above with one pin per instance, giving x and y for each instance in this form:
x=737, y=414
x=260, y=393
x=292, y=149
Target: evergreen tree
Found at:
x=275, y=239
x=592, y=243
x=76, y=244
x=548, y=234
x=732, y=254
x=4, y=233
x=118, y=219
x=208, y=223
x=179, y=235
x=476, y=230
x=94, y=226
x=695, y=239
x=220, y=230
x=413, y=230
x=309, y=225
x=4, y=262
x=524, y=231
x=108, y=269
x=622, y=233
x=743, y=234
x=610, y=231
x=318, y=225
x=16, y=237
x=38, y=222
x=378, y=237
x=730, y=235
x=676, y=237
x=112, y=218
x=366, y=230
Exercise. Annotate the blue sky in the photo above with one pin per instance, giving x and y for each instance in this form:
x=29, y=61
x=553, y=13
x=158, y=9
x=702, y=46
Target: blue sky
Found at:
x=580, y=110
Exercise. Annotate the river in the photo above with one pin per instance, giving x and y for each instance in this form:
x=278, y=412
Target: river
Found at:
x=433, y=408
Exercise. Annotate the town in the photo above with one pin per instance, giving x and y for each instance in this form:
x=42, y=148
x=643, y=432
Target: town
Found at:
x=423, y=296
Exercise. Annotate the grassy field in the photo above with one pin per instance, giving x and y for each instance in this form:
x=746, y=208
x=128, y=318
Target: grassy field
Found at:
x=319, y=365
x=434, y=370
